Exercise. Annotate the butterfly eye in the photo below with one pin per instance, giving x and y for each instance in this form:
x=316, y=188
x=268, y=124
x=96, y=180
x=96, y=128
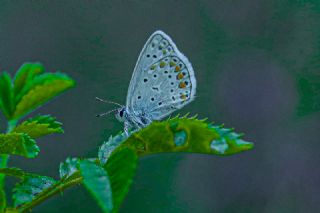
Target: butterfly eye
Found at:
x=121, y=113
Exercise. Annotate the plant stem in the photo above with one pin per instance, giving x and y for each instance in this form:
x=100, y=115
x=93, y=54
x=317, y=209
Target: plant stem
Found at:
x=5, y=158
x=3, y=164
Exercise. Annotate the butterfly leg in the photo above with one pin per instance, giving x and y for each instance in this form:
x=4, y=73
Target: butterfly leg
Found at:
x=126, y=128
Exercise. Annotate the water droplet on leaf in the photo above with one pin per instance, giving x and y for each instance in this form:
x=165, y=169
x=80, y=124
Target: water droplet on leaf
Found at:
x=180, y=138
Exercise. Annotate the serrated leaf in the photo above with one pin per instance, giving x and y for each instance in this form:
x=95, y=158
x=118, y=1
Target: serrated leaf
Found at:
x=96, y=180
x=24, y=76
x=186, y=135
x=69, y=167
x=30, y=187
x=11, y=210
x=39, y=126
x=108, y=146
x=6, y=95
x=18, y=144
x=121, y=167
x=43, y=88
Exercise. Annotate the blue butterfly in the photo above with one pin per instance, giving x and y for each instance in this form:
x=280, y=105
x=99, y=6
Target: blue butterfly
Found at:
x=163, y=81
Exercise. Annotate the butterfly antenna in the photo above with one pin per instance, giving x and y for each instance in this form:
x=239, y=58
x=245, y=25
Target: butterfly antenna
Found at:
x=109, y=102
x=106, y=113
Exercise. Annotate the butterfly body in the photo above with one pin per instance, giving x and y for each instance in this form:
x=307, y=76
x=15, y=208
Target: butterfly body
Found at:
x=162, y=82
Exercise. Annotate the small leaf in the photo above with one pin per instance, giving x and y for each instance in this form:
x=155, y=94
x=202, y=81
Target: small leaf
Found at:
x=96, y=180
x=30, y=187
x=121, y=168
x=24, y=76
x=18, y=144
x=6, y=95
x=43, y=88
x=11, y=210
x=69, y=167
x=107, y=147
x=39, y=126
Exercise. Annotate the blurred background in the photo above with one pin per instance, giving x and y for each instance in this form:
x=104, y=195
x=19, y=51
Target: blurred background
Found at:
x=257, y=64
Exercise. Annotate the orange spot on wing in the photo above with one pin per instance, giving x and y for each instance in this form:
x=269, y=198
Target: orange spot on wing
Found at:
x=177, y=69
x=162, y=64
x=180, y=76
x=183, y=97
x=182, y=85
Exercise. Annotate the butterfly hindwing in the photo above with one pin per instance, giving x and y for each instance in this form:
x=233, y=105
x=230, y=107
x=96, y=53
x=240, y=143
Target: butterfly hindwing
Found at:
x=163, y=79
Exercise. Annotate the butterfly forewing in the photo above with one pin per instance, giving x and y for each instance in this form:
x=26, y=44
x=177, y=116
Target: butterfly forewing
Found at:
x=163, y=79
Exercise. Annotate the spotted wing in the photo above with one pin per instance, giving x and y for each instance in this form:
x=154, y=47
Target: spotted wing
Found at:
x=163, y=79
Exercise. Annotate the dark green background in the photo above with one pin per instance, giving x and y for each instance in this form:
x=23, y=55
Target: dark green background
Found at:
x=257, y=66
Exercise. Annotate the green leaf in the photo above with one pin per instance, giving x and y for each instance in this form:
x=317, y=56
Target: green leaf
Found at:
x=228, y=142
x=30, y=187
x=18, y=144
x=121, y=167
x=108, y=146
x=41, y=89
x=11, y=210
x=186, y=135
x=39, y=126
x=24, y=76
x=96, y=180
x=6, y=95
x=69, y=167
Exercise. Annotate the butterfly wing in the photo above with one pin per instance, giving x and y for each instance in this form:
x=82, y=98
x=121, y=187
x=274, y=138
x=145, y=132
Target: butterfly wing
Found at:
x=163, y=79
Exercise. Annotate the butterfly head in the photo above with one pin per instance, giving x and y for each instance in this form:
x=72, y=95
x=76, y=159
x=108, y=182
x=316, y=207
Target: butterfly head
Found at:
x=121, y=114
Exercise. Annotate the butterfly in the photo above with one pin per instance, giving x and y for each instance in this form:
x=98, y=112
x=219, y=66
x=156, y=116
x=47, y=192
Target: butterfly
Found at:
x=162, y=82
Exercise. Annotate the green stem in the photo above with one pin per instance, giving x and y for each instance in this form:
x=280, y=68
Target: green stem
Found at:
x=3, y=164
x=5, y=158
